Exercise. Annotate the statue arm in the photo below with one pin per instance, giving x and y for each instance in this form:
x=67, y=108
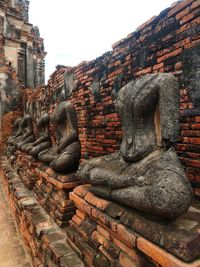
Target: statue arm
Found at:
x=102, y=177
x=40, y=140
x=44, y=137
x=169, y=108
x=70, y=138
x=28, y=133
x=18, y=134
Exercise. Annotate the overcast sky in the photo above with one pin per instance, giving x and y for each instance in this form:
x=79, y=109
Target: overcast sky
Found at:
x=77, y=30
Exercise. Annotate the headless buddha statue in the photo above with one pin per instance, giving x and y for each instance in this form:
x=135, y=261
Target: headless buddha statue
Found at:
x=43, y=141
x=146, y=174
x=19, y=135
x=27, y=133
x=17, y=132
x=65, y=154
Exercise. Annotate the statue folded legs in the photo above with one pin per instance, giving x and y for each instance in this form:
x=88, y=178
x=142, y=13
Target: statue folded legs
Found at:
x=43, y=141
x=27, y=133
x=146, y=174
x=65, y=154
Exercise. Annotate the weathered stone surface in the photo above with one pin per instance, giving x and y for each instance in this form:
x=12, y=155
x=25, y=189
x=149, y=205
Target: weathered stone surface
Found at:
x=146, y=174
x=179, y=238
x=52, y=191
x=53, y=237
x=59, y=249
x=43, y=141
x=71, y=260
x=27, y=136
x=191, y=73
x=46, y=241
x=66, y=154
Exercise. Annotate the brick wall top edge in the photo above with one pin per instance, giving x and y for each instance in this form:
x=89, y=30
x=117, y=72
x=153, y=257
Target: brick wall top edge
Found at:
x=172, y=10
x=86, y=65
x=57, y=71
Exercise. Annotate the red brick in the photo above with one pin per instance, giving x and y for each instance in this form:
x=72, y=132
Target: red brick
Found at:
x=158, y=66
x=129, y=251
x=195, y=4
x=193, y=155
x=183, y=13
x=100, y=203
x=98, y=237
x=195, y=126
x=126, y=261
x=178, y=66
x=103, y=232
x=171, y=54
x=79, y=202
x=182, y=147
x=185, y=126
x=179, y=7
x=80, y=214
x=192, y=133
x=191, y=44
x=77, y=220
x=82, y=190
x=161, y=256
x=144, y=25
x=126, y=235
x=192, y=170
x=187, y=18
x=197, y=118
x=100, y=216
x=190, y=162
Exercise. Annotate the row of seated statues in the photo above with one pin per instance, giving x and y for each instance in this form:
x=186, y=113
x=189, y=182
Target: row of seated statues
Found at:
x=62, y=156
x=146, y=173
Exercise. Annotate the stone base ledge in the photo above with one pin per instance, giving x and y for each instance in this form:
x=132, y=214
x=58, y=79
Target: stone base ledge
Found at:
x=25, y=165
x=46, y=241
x=53, y=194
x=100, y=223
x=51, y=188
x=64, y=181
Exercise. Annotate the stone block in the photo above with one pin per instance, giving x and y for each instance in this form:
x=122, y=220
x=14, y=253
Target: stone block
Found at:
x=120, y=230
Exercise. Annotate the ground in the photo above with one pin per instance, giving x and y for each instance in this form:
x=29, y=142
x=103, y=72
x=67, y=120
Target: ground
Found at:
x=12, y=250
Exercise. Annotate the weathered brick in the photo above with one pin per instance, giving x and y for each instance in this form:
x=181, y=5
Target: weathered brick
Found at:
x=125, y=260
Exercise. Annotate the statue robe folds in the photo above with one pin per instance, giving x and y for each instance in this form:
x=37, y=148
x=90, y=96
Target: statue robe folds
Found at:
x=17, y=134
x=146, y=173
x=27, y=133
x=65, y=154
x=43, y=141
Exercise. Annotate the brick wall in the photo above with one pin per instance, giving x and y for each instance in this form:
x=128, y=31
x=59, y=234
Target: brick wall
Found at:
x=169, y=42
x=10, y=101
x=21, y=62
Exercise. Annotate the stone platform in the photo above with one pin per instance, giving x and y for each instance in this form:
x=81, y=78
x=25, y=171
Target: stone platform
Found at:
x=52, y=191
x=24, y=165
x=107, y=234
x=44, y=238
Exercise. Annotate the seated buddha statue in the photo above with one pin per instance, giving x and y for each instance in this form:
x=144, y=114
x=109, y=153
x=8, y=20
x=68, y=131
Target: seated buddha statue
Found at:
x=16, y=131
x=65, y=154
x=43, y=141
x=145, y=174
x=19, y=135
x=27, y=133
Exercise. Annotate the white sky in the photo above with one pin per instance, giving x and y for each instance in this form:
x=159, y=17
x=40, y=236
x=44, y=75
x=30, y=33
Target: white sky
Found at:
x=77, y=30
